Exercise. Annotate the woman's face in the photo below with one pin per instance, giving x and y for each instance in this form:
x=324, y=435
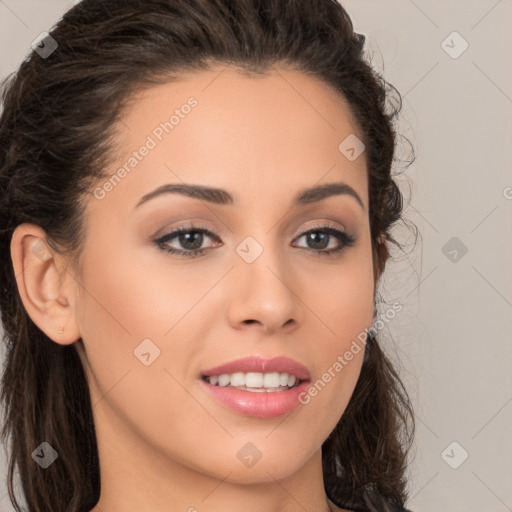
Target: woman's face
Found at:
x=154, y=322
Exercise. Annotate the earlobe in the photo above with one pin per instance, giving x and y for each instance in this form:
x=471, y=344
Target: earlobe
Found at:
x=44, y=287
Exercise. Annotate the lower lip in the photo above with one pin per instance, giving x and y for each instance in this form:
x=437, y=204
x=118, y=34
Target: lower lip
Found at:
x=258, y=404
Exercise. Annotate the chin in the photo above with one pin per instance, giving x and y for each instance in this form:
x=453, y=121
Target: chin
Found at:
x=273, y=465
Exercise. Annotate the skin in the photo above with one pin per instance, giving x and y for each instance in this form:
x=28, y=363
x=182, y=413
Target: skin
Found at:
x=164, y=443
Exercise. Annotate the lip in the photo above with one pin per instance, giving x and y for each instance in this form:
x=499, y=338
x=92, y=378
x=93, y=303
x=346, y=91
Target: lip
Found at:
x=259, y=404
x=260, y=365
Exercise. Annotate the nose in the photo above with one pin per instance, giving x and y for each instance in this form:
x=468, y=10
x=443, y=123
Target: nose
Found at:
x=262, y=296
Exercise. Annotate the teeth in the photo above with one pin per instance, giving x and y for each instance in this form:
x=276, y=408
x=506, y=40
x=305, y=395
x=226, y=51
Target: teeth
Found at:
x=253, y=380
x=224, y=379
x=256, y=381
x=271, y=380
x=237, y=379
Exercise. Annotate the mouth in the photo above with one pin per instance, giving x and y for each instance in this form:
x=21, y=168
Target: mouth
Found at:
x=253, y=386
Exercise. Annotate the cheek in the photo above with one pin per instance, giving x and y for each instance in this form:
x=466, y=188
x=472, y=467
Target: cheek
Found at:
x=119, y=310
x=342, y=298
x=344, y=306
x=129, y=299
x=123, y=305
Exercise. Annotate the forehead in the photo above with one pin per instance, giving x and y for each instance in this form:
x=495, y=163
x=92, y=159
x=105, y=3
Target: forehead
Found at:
x=272, y=133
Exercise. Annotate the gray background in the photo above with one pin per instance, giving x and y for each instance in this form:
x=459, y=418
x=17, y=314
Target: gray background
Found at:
x=453, y=336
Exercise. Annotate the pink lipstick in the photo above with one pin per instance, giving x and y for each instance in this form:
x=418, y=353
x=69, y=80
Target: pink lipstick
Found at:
x=257, y=387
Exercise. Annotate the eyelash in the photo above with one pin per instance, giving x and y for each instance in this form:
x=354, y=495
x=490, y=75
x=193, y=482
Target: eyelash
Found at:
x=345, y=239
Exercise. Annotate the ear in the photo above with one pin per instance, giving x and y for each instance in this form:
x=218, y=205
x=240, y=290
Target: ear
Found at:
x=380, y=257
x=46, y=288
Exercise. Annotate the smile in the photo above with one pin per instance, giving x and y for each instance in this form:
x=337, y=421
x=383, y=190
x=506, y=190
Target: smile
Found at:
x=254, y=381
x=257, y=387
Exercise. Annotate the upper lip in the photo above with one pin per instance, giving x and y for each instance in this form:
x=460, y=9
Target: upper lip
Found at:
x=260, y=365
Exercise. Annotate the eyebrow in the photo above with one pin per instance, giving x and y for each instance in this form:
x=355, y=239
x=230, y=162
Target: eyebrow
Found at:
x=223, y=197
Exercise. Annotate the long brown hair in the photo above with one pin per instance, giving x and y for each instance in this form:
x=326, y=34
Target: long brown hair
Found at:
x=56, y=136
